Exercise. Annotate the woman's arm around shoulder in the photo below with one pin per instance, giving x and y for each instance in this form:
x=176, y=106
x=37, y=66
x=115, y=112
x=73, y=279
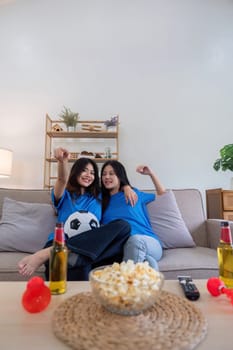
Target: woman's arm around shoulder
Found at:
x=130, y=195
x=146, y=170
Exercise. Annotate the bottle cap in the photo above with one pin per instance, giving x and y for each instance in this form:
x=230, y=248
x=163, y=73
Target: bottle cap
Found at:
x=59, y=232
x=59, y=224
x=224, y=223
x=225, y=235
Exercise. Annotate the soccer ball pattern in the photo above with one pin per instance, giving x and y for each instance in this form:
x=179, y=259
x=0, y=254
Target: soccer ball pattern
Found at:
x=80, y=221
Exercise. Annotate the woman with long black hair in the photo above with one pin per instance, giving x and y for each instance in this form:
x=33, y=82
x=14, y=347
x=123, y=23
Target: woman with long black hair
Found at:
x=143, y=244
x=74, y=193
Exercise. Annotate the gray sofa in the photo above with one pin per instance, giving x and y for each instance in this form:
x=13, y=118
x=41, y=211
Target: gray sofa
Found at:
x=199, y=261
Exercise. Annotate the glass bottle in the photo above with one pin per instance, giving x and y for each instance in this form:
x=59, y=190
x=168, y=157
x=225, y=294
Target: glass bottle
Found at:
x=108, y=153
x=225, y=255
x=58, y=262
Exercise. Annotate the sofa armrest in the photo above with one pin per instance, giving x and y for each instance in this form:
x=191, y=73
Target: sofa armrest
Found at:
x=213, y=231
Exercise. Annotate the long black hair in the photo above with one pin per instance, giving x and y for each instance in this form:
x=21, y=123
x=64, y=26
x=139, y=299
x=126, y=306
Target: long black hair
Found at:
x=78, y=167
x=120, y=172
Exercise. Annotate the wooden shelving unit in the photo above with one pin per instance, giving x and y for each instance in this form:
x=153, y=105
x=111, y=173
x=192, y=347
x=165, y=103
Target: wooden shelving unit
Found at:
x=219, y=204
x=78, y=141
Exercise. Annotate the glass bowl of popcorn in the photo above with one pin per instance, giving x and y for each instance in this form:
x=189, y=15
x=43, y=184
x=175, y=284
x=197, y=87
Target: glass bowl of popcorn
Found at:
x=126, y=288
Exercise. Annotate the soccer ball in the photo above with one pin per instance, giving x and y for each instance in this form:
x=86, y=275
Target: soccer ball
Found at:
x=80, y=221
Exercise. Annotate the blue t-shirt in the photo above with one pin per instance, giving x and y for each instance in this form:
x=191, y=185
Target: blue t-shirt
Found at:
x=67, y=205
x=136, y=216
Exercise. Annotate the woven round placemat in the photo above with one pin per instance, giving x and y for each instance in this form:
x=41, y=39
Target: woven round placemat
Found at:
x=171, y=323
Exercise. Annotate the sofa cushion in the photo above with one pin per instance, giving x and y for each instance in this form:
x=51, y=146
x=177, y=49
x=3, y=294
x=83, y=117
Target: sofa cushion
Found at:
x=167, y=222
x=25, y=226
x=198, y=262
x=190, y=204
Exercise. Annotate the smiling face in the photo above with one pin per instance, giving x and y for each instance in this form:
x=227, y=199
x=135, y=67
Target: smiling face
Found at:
x=110, y=180
x=87, y=176
x=84, y=177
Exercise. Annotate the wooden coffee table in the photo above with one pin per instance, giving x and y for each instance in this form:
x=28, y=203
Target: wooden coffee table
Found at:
x=22, y=330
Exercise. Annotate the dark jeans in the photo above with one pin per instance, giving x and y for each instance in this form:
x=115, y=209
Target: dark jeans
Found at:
x=97, y=247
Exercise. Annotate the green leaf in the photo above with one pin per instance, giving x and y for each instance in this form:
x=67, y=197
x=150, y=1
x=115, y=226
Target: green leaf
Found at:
x=225, y=162
x=217, y=164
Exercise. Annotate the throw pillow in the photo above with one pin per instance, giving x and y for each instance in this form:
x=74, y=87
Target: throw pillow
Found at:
x=167, y=222
x=25, y=226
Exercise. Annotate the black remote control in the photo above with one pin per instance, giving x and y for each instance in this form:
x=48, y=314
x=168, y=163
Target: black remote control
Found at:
x=190, y=289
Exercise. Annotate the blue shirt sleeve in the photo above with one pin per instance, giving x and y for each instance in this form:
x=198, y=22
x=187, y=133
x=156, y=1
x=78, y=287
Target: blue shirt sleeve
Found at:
x=58, y=204
x=146, y=197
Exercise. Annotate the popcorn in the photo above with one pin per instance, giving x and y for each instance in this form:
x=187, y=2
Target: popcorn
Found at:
x=126, y=286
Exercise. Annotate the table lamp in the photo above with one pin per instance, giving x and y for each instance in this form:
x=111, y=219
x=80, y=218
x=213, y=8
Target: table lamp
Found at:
x=5, y=162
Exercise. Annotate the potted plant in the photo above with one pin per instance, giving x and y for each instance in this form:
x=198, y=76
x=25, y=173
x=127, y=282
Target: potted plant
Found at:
x=69, y=118
x=225, y=162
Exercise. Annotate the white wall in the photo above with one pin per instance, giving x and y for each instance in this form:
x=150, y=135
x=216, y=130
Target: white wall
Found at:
x=164, y=65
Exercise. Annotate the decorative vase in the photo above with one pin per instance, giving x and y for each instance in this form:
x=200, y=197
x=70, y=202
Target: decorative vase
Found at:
x=71, y=128
x=111, y=128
